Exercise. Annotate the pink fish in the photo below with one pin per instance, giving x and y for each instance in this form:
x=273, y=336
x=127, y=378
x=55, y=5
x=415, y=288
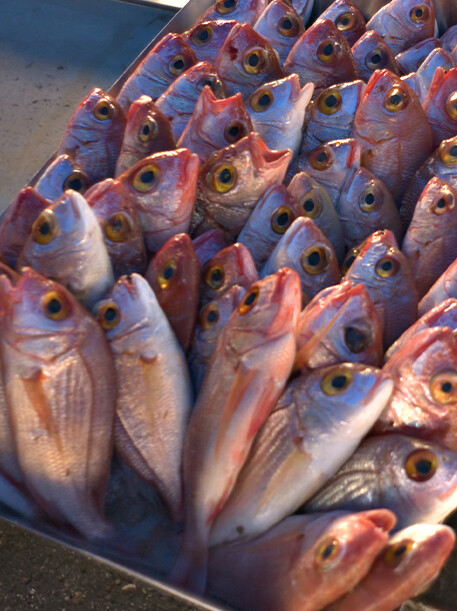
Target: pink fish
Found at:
x=347, y=18
x=61, y=174
x=421, y=80
x=440, y=105
x=280, y=24
x=410, y=60
x=444, y=287
x=208, y=244
x=243, y=11
x=207, y=37
x=372, y=53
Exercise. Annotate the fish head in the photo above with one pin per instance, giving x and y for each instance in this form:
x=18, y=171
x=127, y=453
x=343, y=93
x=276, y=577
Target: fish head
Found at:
x=214, y=316
x=147, y=128
x=196, y=78
x=62, y=174
x=371, y=52
x=437, y=201
x=443, y=161
x=435, y=59
x=441, y=102
x=347, y=18
x=333, y=160
x=99, y=113
x=336, y=105
x=280, y=24
x=206, y=38
x=174, y=55
x=311, y=196
x=272, y=101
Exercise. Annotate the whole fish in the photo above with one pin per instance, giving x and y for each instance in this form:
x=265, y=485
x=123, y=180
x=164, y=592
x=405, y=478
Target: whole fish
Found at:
x=340, y=324
x=305, y=562
x=440, y=105
x=403, y=23
x=215, y=124
x=206, y=38
x=246, y=61
x=231, y=266
x=243, y=11
x=247, y=373
x=61, y=390
x=178, y=102
x=432, y=234
x=347, y=18
x=366, y=205
x=93, y=135
x=331, y=115
x=322, y=56
x=66, y=244
x=277, y=110
x=386, y=274
x=410, y=60
x=167, y=60
x=415, y=479
x=305, y=249
x=208, y=244
x=154, y=395
x=444, y=288
x=288, y=462
x=232, y=181
x=315, y=203
x=372, y=53
x=147, y=131
x=421, y=80
x=281, y=25
x=408, y=564
x=174, y=275
x=61, y=174
x=391, y=149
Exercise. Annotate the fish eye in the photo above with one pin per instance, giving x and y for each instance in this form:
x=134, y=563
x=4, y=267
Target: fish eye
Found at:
x=312, y=207
x=254, y=61
x=202, y=35
x=226, y=6
x=118, y=227
x=167, y=273
x=249, y=300
x=329, y=102
x=376, y=59
x=314, y=260
x=148, y=130
x=421, y=465
x=55, y=305
x=103, y=110
x=289, y=25
x=328, y=51
x=321, y=158
x=222, y=178
x=327, y=554
x=45, y=228
x=386, y=266
x=368, y=202
x=261, y=100
x=443, y=387
x=281, y=219
x=108, y=315
x=213, y=82
x=419, y=14
x=337, y=380
x=451, y=106
x=146, y=178
x=214, y=276
x=395, y=553
x=209, y=316
x=234, y=131
x=349, y=259
x=448, y=152
x=356, y=340
x=444, y=204
x=346, y=21
x=178, y=65
x=77, y=181
x=396, y=100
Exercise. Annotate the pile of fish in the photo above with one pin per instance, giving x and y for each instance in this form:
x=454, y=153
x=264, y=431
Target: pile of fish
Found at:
x=239, y=278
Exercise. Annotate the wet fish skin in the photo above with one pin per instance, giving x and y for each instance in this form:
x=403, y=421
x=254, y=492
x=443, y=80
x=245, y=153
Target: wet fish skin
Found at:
x=206, y=38
x=371, y=53
x=280, y=24
x=61, y=174
x=440, y=105
x=208, y=244
x=147, y=131
x=66, y=244
x=154, y=392
x=449, y=39
x=347, y=18
x=421, y=80
x=284, y=568
x=288, y=462
x=410, y=561
x=444, y=288
x=93, y=135
x=243, y=11
x=167, y=60
x=61, y=389
x=376, y=475
x=411, y=59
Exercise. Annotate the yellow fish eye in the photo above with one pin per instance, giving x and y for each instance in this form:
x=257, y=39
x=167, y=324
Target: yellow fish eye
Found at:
x=329, y=102
x=321, y=158
x=234, y=131
x=336, y=381
x=178, y=65
x=312, y=207
x=77, y=181
x=346, y=21
x=146, y=178
x=395, y=553
x=386, y=266
x=421, y=465
x=148, y=130
x=45, y=228
x=254, y=61
x=109, y=315
x=448, y=152
x=451, y=106
x=375, y=59
x=327, y=553
x=349, y=260
x=396, y=99
x=249, y=300
x=55, y=305
x=167, y=273
x=214, y=276
x=103, y=110
x=443, y=387
x=118, y=227
x=315, y=260
x=222, y=178
x=444, y=204
x=419, y=14
x=368, y=201
x=328, y=51
x=209, y=316
x=226, y=6
x=202, y=35
x=288, y=25
x=261, y=100
x=281, y=219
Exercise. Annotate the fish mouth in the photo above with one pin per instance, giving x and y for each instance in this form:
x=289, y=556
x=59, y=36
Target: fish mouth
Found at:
x=376, y=78
x=384, y=519
x=297, y=93
x=263, y=156
x=286, y=295
x=355, y=153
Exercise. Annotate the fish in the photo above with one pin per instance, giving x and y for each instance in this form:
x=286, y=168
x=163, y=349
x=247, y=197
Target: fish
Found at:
x=288, y=462
x=348, y=19
x=61, y=174
x=280, y=24
x=273, y=214
x=61, y=389
x=147, y=131
x=242, y=11
x=340, y=324
x=93, y=136
x=178, y=102
x=304, y=9
x=228, y=267
x=315, y=203
x=403, y=23
x=211, y=321
x=305, y=249
x=411, y=59
x=365, y=206
x=414, y=478
x=408, y=564
x=208, y=244
x=174, y=276
x=444, y=288
x=154, y=395
x=430, y=241
x=246, y=375
x=391, y=149
x=66, y=244
x=321, y=56
x=421, y=80
x=277, y=110
x=231, y=182
x=167, y=60
x=246, y=61
x=215, y=124
x=386, y=274
x=440, y=105
x=207, y=37
x=372, y=53
x=331, y=115
x=305, y=562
